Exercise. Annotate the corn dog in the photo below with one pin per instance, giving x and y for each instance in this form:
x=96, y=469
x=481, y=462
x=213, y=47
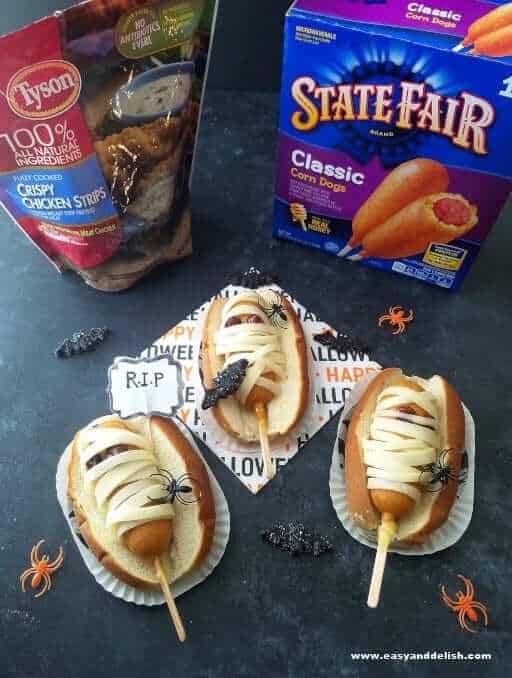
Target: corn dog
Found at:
x=401, y=432
x=496, y=44
x=263, y=328
x=440, y=218
x=499, y=18
x=119, y=465
x=406, y=183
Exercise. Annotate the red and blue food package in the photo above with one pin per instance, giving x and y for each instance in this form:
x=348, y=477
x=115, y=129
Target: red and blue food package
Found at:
x=99, y=115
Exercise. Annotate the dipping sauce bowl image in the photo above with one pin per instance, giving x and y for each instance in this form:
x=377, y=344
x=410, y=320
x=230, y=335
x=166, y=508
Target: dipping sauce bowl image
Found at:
x=159, y=92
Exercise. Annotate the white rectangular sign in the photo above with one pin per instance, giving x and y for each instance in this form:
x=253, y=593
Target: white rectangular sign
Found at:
x=145, y=386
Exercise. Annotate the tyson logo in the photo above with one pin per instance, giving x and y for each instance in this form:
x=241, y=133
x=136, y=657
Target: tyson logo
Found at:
x=44, y=90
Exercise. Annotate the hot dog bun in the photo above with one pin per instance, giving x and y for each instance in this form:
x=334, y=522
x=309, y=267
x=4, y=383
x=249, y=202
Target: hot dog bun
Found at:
x=285, y=410
x=408, y=182
x=433, y=508
x=192, y=526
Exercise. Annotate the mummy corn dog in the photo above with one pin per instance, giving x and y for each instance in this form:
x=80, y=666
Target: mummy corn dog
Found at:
x=122, y=485
x=122, y=501
x=119, y=466
x=409, y=210
x=491, y=35
x=403, y=459
x=261, y=328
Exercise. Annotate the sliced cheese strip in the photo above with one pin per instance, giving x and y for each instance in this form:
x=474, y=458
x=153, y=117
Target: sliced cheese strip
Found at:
x=418, y=457
x=399, y=474
x=404, y=488
x=126, y=473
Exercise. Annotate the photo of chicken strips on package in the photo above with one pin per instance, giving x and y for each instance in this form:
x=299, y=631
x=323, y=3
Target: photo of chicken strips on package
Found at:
x=99, y=119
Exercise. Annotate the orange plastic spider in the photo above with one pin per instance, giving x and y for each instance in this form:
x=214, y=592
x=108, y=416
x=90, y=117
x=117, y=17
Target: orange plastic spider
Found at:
x=465, y=605
x=41, y=570
x=397, y=317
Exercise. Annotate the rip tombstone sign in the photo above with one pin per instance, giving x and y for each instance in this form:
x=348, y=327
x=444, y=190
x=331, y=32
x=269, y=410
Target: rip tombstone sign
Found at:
x=145, y=386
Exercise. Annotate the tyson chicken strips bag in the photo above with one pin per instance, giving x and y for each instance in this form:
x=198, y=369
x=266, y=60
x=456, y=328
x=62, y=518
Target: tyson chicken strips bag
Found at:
x=99, y=111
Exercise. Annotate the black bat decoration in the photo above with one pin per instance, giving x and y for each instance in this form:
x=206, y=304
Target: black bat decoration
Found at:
x=82, y=341
x=227, y=383
x=252, y=279
x=341, y=342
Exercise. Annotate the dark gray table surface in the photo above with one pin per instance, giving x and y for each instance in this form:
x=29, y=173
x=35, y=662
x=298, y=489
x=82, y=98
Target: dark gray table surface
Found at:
x=261, y=613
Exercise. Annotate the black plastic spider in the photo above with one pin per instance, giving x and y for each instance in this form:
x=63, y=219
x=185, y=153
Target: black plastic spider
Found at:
x=441, y=472
x=175, y=487
x=272, y=305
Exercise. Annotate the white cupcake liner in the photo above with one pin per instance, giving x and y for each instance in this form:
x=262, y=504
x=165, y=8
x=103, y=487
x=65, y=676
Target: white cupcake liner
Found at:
x=459, y=517
x=128, y=593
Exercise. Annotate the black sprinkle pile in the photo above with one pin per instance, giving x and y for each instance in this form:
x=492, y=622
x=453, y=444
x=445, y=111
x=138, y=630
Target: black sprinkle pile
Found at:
x=342, y=342
x=227, y=383
x=252, y=279
x=295, y=538
x=83, y=341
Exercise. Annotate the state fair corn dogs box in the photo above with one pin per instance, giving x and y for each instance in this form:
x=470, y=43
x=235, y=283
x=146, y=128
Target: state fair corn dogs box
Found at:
x=395, y=131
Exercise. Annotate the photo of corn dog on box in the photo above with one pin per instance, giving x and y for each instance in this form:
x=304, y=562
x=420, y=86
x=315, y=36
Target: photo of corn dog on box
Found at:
x=491, y=34
x=397, y=157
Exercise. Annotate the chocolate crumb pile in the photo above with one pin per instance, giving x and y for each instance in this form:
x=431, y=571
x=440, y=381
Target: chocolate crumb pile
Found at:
x=83, y=341
x=295, y=538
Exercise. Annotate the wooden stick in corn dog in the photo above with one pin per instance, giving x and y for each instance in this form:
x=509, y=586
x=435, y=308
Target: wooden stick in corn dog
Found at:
x=263, y=329
x=398, y=433
x=124, y=501
x=481, y=30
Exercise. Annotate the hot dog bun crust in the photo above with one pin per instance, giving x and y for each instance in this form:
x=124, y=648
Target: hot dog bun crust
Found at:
x=434, y=507
x=285, y=410
x=192, y=527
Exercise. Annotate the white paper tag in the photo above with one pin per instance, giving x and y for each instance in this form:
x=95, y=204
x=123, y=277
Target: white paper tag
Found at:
x=145, y=386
